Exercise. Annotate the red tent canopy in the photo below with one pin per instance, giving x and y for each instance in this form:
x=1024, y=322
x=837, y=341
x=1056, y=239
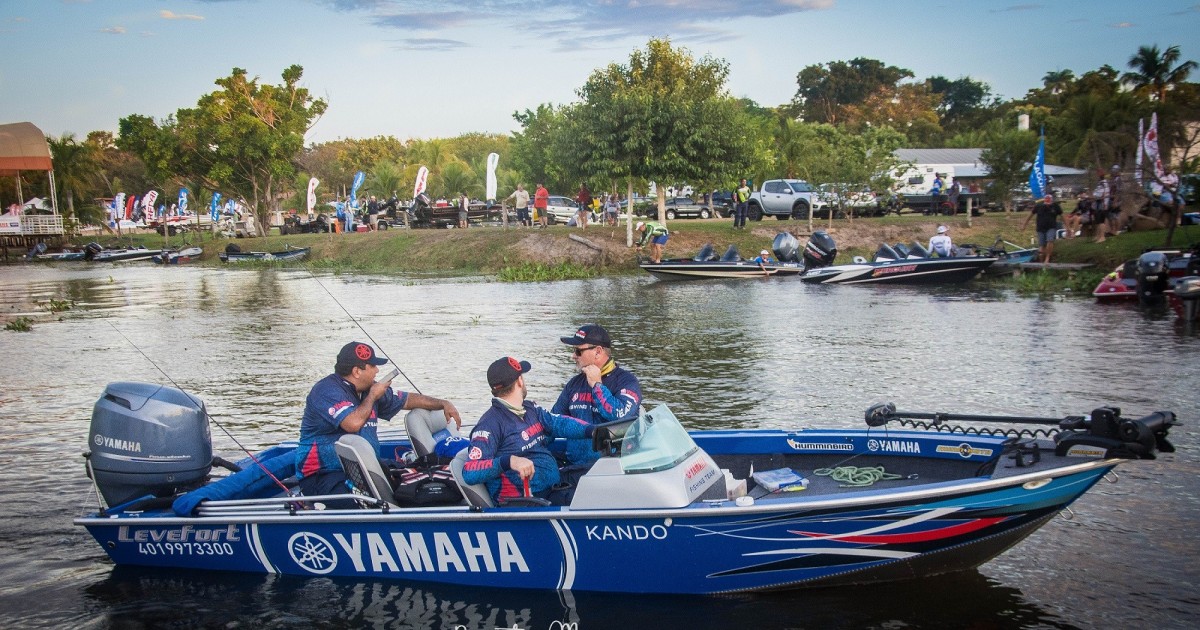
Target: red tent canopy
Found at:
x=23, y=148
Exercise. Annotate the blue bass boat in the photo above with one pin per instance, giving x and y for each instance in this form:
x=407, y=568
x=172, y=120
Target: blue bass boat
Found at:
x=662, y=511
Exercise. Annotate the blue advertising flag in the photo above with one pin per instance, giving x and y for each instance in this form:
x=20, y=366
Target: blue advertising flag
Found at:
x=1037, y=175
x=183, y=199
x=214, y=208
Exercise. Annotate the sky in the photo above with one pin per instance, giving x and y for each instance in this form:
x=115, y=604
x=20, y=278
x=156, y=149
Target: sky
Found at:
x=440, y=68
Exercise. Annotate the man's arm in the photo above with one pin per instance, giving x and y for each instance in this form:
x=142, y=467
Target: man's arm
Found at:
x=620, y=406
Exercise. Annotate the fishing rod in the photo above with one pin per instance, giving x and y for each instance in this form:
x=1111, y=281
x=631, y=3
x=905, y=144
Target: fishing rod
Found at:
x=364, y=330
x=206, y=414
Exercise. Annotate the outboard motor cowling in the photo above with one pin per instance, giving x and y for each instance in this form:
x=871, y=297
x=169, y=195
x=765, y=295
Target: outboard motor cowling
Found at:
x=91, y=249
x=820, y=250
x=1188, y=291
x=786, y=248
x=1152, y=277
x=147, y=439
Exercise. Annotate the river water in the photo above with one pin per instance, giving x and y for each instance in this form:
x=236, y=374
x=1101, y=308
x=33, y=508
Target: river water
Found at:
x=742, y=353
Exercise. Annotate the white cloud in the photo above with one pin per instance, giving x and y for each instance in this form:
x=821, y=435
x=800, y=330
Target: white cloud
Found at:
x=170, y=15
x=114, y=30
x=1123, y=25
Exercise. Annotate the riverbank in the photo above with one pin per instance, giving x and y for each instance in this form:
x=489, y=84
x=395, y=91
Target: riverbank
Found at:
x=515, y=253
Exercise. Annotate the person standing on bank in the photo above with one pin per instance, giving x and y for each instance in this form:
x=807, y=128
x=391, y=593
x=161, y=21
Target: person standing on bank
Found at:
x=602, y=391
x=350, y=401
x=740, y=198
x=1047, y=212
x=463, y=204
x=541, y=200
x=584, y=199
x=654, y=233
x=521, y=202
x=508, y=446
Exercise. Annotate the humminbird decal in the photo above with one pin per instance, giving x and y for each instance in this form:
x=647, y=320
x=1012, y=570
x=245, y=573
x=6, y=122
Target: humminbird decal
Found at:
x=439, y=552
x=818, y=446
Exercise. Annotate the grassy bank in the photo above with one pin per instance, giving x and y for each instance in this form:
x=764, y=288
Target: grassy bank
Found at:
x=517, y=254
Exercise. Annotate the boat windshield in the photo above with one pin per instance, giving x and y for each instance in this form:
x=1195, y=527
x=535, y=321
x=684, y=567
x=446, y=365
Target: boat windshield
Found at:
x=656, y=441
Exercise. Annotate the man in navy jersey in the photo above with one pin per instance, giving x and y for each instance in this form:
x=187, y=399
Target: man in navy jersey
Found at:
x=601, y=392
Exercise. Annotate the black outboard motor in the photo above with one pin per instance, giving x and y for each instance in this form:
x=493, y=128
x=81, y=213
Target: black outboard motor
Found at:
x=705, y=254
x=820, y=250
x=147, y=439
x=233, y=248
x=731, y=254
x=91, y=249
x=786, y=248
x=420, y=208
x=1152, y=277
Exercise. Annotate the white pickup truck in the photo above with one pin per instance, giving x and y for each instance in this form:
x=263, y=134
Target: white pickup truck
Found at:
x=784, y=199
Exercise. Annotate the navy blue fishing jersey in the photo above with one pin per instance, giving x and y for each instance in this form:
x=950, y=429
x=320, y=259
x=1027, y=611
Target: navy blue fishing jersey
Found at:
x=617, y=396
x=328, y=403
x=501, y=433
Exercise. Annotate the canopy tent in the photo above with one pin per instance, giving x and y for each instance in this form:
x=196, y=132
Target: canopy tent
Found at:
x=23, y=148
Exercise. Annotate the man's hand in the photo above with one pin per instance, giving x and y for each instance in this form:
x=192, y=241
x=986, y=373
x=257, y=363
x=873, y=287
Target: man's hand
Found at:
x=523, y=466
x=451, y=412
x=591, y=373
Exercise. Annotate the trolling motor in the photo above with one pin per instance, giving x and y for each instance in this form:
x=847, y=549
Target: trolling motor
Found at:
x=1103, y=433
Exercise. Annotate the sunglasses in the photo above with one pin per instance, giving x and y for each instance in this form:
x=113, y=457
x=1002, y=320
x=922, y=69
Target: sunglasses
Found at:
x=579, y=351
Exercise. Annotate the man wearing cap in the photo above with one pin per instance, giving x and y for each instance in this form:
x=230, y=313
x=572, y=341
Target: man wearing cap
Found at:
x=509, y=444
x=350, y=401
x=1047, y=212
x=940, y=244
x=654, y=233
x=601, y=392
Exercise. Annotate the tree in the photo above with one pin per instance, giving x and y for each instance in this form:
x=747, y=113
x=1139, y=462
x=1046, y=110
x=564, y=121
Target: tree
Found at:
x=664, y=116
x=824, y=90
x=1008, y=157
x=1155, y=72
x=964, y=101
x=74, y=166
x=243, y=139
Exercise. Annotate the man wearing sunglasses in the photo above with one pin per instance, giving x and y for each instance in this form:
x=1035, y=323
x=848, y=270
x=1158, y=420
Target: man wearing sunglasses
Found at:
x=601, y=392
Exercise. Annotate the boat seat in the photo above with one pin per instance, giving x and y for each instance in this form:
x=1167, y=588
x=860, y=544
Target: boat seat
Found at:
x=476, y=494
x=362, y=468
x=426, y=428
x=705, y=254
x=731, y=255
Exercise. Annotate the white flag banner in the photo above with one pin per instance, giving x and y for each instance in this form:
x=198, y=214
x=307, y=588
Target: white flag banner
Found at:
x=1151, y=143
x=422, y=177
x=492, y=161
x=312, y=194
x=1137, y=168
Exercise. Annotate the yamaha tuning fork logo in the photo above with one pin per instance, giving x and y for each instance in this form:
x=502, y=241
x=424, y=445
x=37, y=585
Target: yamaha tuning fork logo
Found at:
x=312, y=553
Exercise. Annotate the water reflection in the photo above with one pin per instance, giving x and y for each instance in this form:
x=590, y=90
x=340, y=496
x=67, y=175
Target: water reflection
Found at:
x=157, y=598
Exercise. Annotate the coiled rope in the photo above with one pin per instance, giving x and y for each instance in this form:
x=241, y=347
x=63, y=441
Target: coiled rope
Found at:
x=856, y=477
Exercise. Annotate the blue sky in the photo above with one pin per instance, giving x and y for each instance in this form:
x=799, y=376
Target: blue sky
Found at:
x=438, y=68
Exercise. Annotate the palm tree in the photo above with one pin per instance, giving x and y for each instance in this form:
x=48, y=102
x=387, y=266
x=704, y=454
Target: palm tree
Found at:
x=1152, y=70
x=1057, y=81
x=74, y=164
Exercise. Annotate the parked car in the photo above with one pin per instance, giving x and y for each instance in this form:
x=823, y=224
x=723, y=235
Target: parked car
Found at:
x=676, y=208
x=560, y=209
x=845, y=196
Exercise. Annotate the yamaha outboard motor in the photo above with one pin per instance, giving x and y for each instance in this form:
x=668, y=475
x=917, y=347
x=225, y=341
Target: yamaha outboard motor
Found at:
x=147, y=439
x=731, y=254
x=420, y=208
x=91, y=249
x=820, y=250
x=786, y=248
x=233, y=248
x=1152, y=277
x=706, y=254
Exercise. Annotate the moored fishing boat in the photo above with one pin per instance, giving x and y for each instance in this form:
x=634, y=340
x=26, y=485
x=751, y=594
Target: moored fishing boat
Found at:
x=891, y=266
x=662, y=511
x=233, y=253
x=706, y=264
x=97, y=253
x=177, y=256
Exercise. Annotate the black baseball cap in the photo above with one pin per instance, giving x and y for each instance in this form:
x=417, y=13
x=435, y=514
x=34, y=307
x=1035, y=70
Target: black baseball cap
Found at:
x=357, y=353
x=589, y=333
x=505, y=370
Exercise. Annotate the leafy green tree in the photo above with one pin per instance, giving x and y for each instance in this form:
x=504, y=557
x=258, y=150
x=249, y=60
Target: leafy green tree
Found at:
x=1008, y=157
x=824, y=90
x=965, y=102
x=1157, y=72
x=456, y=177
x=243, y=139
x=385, y=178
x=533, y=148
x=664, y=116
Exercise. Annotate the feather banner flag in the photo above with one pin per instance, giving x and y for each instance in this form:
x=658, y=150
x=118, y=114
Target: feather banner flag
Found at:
x=312, y=193
x=1137, y=163
x=492, y=161
x=422, y=178
x=118, y=206
x=214, y=207
x=183, y=200
x=358, y=180
x=1151, y=150
x=1037, y=175
x=148, y=204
